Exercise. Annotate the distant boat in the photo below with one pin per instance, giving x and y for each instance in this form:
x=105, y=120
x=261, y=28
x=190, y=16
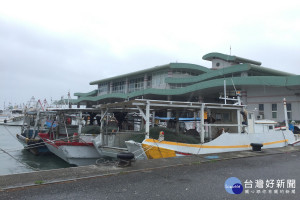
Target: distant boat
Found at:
x=10, y=115
x=71, y=138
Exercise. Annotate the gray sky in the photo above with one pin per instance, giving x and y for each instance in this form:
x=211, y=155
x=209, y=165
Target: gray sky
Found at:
x=51, y=47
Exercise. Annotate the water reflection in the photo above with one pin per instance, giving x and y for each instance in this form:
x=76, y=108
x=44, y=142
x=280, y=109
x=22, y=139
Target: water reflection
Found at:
x=14, y=159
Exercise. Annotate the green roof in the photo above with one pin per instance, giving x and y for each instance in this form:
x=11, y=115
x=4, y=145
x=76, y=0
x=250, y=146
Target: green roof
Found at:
x=92, y=93
x=162, y=67
x=225, y=57
x=228, y=70
x=283, y=81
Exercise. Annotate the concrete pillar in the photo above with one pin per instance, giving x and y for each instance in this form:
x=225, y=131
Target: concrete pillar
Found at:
x=110, y=87
x=147, y=119
x=202, y=124
x=244, y=97
x=153, y=118
x=145, y=81
x=238, y=115
x=169, y=111
x=209, y=128
x=195, y=122
x=126, y=86
x=142, y=125
x=177, y=122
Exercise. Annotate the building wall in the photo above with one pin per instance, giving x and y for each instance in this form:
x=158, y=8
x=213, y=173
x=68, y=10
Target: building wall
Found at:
x=218, y=63
x=273, y=95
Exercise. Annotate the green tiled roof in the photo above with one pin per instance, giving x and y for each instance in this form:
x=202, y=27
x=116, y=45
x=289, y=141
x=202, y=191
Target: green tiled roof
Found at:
x=230, y=58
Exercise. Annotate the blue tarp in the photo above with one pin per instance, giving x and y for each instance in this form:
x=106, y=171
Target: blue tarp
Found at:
x=49, y=124
x=180, y=119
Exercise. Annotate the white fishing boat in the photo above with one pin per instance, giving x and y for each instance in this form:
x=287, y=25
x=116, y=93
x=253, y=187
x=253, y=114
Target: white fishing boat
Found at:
x=239, y=132
x=71, y=140
x=222, y=128
x=111, y=141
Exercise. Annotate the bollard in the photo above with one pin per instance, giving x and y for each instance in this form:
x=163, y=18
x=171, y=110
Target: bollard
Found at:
x=256, y=146
x=125, y=159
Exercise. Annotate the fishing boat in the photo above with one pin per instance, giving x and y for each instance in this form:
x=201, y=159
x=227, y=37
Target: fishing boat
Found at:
x=234, y=129
x=34, y=122
x=223, y=127
x=111, y=140
x=71, y=139
x=35, y=118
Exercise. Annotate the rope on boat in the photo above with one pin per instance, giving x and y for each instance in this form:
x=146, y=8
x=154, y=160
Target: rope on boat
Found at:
x=31, y=146
x=35, y=169
x=10, y=133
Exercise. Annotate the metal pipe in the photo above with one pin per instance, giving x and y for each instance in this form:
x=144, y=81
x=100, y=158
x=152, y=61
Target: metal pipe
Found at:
x=285, y=113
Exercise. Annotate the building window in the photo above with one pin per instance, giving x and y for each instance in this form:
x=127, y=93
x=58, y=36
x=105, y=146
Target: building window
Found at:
x=182, y=73
x=103, y=88
x=261, y=107
x=118, y=87
x=274, y=111
x=158, y=79
x=179, y=85
x=289, y=110
x=136, y=84
x=149, y=82
x=261, y=111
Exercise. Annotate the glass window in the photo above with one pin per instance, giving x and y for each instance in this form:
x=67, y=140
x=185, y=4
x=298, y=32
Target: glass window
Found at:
x=274, y=107
x=158, y=79
x=289, y=115
x=136, y=84
x=118, y=87
x=289, y=107
x=261, y=107
x=149, y=82
x=289, y=110
x=274, y=115
x=103, y=88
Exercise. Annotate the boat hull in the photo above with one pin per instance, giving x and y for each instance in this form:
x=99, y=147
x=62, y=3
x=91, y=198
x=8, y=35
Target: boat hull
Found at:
x=75, y=153
x=115, y=144
x=227, y=142
x=35, y=146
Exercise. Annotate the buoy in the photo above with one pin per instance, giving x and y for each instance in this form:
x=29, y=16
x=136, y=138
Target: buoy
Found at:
x=161, y=136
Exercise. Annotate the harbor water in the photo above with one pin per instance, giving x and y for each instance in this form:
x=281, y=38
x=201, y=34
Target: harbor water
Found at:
x=14, y=159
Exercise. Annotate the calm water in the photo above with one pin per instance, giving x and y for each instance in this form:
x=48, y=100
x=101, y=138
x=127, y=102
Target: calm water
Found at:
x=18, y=160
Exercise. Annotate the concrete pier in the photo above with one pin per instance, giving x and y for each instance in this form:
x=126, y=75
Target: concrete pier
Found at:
x=24, y=180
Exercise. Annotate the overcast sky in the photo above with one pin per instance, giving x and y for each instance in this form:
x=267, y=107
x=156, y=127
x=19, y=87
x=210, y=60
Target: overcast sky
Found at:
x=48, y=48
